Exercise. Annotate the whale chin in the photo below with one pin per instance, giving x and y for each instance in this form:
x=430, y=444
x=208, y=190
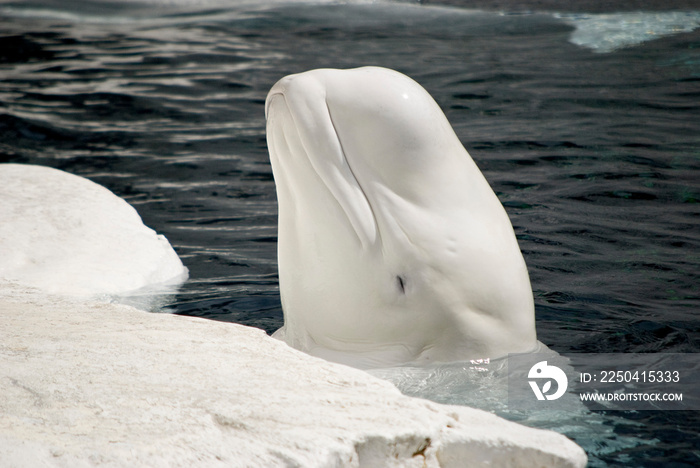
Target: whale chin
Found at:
x=393, y=249
x=381, y=356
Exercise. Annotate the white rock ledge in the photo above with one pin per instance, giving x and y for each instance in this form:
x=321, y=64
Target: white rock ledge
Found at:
x=92, y=384
x=64, y=234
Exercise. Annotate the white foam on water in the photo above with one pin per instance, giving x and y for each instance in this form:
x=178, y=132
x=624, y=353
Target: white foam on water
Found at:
x=612, y=31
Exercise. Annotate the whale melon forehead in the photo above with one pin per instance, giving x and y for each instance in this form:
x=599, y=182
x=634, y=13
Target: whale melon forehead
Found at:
x=387, y=125
x=383, y=94
x=369, y=98
x=388, y=98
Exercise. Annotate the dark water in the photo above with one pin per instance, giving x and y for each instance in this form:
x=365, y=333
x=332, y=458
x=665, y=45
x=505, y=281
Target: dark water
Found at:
x=594, y=148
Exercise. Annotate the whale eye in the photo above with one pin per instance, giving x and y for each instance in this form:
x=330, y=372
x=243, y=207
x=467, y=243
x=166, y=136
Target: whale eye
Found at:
x=401, y=283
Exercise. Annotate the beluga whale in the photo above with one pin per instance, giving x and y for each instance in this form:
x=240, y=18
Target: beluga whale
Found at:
x=392, y=247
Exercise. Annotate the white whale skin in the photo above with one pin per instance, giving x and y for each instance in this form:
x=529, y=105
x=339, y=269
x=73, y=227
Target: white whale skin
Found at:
x=393, y=248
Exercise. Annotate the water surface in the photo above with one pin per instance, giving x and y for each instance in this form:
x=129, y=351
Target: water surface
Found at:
x=586, y=124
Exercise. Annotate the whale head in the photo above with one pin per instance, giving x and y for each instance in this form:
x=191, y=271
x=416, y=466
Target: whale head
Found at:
x=392, y=248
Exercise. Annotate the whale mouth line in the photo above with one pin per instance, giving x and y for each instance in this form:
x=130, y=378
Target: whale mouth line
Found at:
x=320, y=140
x=352, y=171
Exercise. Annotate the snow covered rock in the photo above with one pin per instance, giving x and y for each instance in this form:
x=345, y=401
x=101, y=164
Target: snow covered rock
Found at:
x=64, y=234
x=96, y=384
